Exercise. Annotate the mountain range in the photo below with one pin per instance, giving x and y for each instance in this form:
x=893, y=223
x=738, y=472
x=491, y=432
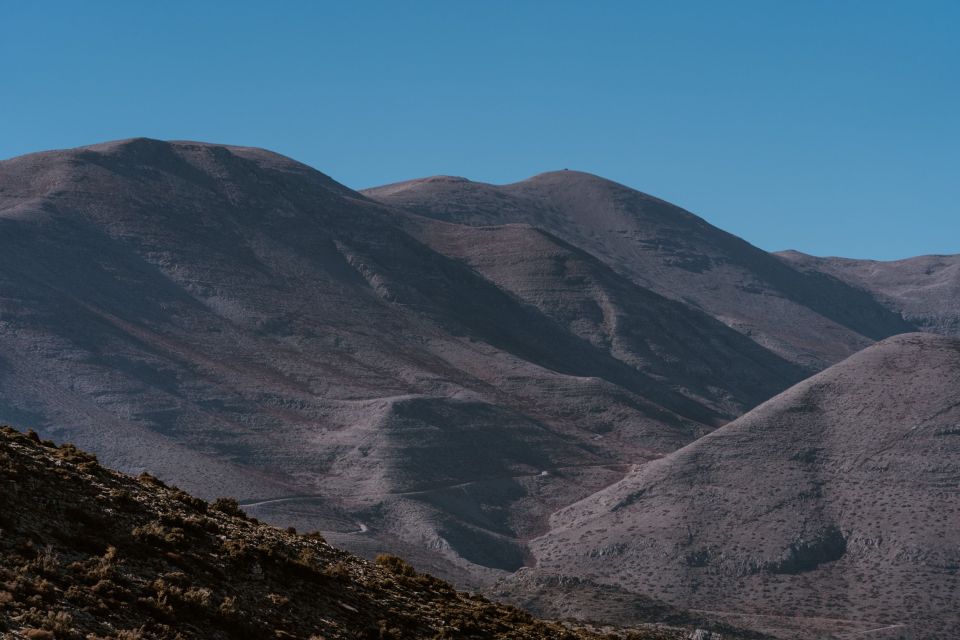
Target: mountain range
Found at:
x=465, y=373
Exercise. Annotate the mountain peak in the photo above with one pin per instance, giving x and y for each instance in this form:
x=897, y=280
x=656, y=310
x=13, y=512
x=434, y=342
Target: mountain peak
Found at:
x=571, y=175
x=147, y=159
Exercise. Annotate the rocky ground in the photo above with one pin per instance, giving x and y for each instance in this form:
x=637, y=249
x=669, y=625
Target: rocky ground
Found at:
x=88, y=553
x=829, y=511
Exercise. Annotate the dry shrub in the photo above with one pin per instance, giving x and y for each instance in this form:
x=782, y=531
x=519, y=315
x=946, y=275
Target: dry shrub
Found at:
x=228, y=607
x=229, y=506
x=198, y=597
x=46, y=563
x=59, y=622
x=146, y=478
x=315, y=535
x=158, y=533
x=337, y=569
x=96, y=569
x=396, y=565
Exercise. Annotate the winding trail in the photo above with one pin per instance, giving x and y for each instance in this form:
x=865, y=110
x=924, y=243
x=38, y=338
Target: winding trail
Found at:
x=619, y=468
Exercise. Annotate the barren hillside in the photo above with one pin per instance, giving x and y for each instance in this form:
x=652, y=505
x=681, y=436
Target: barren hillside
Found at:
x=240, y=324
x=811, y=319
x=925, y=290
x=833, y=507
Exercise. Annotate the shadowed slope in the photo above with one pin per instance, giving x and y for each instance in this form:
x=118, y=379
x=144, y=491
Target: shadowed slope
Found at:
x=924, y=290
x=836, y=499
x=813, y=320
x=673, y=342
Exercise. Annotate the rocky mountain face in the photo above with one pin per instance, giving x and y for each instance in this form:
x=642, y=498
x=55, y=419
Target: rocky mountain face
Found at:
x=832, y=508
x=241, y=324
x=810, y=318
x=90, y=553
x=537, y=389
x=924, y=290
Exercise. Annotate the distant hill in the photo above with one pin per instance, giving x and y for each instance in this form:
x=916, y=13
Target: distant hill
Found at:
x=924, y=290
x=812, y=319
x=89, y=553
x=832, y=508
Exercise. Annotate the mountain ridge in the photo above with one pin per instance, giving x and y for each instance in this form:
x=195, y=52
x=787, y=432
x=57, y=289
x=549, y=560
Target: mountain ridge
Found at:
x=811, y=319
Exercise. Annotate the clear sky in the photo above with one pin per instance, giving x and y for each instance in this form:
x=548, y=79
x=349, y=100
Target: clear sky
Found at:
x=832, y=127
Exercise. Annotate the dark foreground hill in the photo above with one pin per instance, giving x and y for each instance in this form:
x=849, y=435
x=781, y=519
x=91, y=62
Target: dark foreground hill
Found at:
x=240, y=324
x=832, y=509
x=87, y=553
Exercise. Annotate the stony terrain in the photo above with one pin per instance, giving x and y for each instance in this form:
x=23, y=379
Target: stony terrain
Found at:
x=833, y=507
x=87, y=553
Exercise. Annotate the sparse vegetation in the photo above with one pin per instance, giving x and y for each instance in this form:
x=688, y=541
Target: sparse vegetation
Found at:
x=229, y=506
x=395, y=565
x=89, y=554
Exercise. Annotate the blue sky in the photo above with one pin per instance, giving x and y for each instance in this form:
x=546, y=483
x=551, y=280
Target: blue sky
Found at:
x=832, y=127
